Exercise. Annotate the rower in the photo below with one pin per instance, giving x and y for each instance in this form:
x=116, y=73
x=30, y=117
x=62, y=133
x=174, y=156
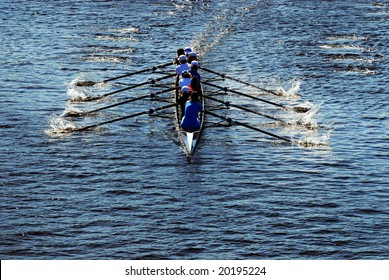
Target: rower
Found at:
x=185, y=79
x=190, y=121
x=195, y=85
x=187, y=50
x=184, y=96
x=192, y=56
x=180, y=52
x=194, y=66
x=183, y=65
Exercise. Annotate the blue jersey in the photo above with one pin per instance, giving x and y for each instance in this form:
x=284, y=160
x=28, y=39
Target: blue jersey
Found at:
x=195, y=73
x=190, y=120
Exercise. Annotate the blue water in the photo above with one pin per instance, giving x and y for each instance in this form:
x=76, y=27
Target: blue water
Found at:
x=126, y=190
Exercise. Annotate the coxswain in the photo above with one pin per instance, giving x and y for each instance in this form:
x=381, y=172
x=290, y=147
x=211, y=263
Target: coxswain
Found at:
x=183, y=65
x=190, y=121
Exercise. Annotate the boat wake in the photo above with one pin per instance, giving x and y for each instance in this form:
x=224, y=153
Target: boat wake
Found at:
x=215, y=31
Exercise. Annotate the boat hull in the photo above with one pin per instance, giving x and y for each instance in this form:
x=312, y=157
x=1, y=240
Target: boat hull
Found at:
x=189, y=139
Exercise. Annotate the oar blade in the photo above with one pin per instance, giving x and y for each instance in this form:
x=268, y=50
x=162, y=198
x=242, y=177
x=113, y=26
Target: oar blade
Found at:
x=85, y=83
x=149, y=112
x=300, y=109
x=72, y=114
x=232, y=121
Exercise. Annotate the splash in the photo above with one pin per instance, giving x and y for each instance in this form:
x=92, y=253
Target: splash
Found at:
x=59, y=125
x=112, y=37
x=104, y=58
x=356, y=70
x=124, y=30
x=294, y=87
x=347, y=47
x=118, y=50
x=350, y=37
x=315, y=141
x=106, y=49
x=71, y=111
x=308, y=119
x=353, y=57
x=78, y=93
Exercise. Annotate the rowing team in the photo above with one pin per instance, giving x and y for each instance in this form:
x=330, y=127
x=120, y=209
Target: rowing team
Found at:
x=190, y=88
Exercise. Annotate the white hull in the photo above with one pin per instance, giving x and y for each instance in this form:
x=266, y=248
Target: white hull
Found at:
x=189, y=139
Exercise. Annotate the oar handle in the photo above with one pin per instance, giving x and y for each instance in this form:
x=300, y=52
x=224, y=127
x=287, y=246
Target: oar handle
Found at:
x=229, y=120
x=150, y=111
x=152, y=81
x=228, y=104
x=139, y=72
x=246, y=95
x=90, y=83
x=263, y=131
x=239, y=81
x=153, y=94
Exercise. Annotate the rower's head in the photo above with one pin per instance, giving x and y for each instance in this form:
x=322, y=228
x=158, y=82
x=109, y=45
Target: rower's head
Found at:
x=194, y=96
x=194, y=65
x=195, y=81
x=193, y=56
x=185, y=89
x=182, y=59
x=185, y=92
x=188, y=50
x=180, y=51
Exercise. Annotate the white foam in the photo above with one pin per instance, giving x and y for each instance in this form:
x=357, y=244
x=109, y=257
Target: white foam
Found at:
x=71, y=110
x=308, y=119
x=76, y=95
x=293, y=85
x=315, y=140
x=81, y=93
x=60, y=125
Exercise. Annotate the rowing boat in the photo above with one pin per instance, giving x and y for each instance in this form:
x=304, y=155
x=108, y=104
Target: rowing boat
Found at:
x=188, y=138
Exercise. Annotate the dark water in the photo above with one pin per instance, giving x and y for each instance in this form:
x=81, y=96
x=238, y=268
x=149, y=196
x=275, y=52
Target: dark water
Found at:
x=126, y=190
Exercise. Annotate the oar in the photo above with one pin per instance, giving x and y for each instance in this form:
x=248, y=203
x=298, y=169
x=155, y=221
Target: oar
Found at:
x=229, y=104
x=152, y=81
x=91, y=83
x=150, y=111
x=229, y=120
x=295, y=109
x=152, y=95
x=239, y=81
